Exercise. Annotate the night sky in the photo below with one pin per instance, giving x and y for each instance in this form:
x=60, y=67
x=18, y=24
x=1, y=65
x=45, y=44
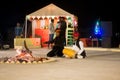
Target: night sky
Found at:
x=88, y=11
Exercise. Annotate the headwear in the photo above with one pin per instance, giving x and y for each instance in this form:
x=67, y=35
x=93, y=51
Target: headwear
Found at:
x=76, y=34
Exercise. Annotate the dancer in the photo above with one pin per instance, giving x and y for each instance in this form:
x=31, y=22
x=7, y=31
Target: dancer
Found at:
x=58, y=46
x=77, y=50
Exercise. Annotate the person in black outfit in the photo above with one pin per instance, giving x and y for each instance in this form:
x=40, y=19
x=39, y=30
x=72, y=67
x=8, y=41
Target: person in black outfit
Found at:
x=60, y=41
x=58, y=46
x=63, y=27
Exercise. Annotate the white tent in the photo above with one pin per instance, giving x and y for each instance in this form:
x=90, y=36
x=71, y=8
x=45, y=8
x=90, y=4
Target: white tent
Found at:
x=50, y=10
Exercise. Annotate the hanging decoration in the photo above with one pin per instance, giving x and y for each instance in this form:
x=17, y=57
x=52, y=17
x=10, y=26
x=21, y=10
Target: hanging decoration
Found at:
x=42, y=24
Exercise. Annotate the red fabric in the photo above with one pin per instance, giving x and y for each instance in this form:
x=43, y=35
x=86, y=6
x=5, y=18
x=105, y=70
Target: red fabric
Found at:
x=44, y=34
x=76, y=34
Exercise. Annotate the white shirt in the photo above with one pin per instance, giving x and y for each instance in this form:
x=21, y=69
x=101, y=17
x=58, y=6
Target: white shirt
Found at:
x=51, y=29
x=77, y=49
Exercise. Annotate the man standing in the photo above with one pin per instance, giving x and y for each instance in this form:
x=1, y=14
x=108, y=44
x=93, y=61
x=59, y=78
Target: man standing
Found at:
x=51, y=31
x=63, y=27
x=18, y=30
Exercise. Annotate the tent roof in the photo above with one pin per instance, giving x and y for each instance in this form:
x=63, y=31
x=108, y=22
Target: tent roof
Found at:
x=50, y=10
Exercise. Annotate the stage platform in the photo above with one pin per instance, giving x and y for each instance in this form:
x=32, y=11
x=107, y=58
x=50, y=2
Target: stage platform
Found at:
x=31, y=42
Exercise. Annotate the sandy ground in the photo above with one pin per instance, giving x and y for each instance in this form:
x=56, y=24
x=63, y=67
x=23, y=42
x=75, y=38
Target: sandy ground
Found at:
x=98, y=65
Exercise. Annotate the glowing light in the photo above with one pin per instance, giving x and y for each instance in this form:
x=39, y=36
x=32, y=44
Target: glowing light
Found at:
x=97, y=30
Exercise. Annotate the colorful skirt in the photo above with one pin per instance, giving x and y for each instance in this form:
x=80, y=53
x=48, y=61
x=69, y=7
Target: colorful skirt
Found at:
x=69, y=52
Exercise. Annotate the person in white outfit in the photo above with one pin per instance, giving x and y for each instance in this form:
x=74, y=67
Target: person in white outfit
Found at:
x=51, y=31
x=79, y=48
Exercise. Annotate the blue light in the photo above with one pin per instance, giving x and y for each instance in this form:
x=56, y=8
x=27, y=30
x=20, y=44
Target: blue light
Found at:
x=97, y=30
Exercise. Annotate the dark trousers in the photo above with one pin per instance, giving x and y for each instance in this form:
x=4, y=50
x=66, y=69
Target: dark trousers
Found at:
x=83, y=54
x=56, y=51
x=51, y=36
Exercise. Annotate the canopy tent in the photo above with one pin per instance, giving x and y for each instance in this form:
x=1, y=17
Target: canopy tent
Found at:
x=46, y=13
x=50, y=10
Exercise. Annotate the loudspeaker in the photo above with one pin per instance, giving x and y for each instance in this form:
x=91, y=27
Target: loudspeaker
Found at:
x=106, y=42
x=106, y=28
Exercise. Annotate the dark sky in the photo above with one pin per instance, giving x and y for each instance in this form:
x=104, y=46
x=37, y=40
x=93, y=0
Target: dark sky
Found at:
x=88, y=11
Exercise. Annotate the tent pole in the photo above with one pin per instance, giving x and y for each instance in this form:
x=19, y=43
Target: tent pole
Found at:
x=25, y=27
